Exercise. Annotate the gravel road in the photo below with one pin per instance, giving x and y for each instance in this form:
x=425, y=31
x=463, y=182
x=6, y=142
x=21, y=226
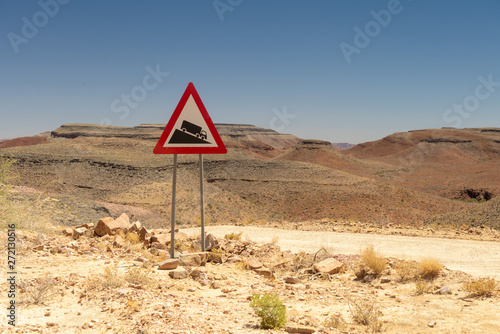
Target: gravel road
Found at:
x=478, y=258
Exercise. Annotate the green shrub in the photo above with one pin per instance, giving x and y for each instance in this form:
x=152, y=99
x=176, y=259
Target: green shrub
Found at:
x=269, y=307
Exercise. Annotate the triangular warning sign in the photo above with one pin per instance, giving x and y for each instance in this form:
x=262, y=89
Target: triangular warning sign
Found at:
x=190, y=130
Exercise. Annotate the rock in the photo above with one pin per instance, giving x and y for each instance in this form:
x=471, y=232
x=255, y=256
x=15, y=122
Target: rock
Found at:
x=210, y=243
x=158, y=245
x=193, y=259
x=168, y=264
x=368, y=278
x=196, y=273
x=292, y=280
x=431, y=324
x=68, y=231
x=233, y=259
x=178, y=273
x=141, y=259
x=135, y=227
x=100, y=228
x=143, y=233
x=120, y=223
x=299, y=329
x=329, y=266
x=267, y=273
x=215, y=285
x=161, y=238
x=253, y=263
x=119, y=242
x=443, y=291
x=78, y=232
x=385, y=280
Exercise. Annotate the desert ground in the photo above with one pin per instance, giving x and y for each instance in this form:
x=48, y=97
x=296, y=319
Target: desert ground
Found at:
x=288, y=216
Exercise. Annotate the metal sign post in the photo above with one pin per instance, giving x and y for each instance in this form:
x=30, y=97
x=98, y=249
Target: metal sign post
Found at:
x=202, y=202
x=190, y=130
x=172, y=217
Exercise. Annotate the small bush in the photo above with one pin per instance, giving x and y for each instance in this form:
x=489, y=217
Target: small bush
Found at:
x=429, y=268
x=137, y=275
x=335, y=321
x=482, y=287
x=422, y=286
x=270, y=309
x=38, y=291
x=406, y=270
x=233, y=236
x=365, y=312
x=373, y=260
x=109, y=279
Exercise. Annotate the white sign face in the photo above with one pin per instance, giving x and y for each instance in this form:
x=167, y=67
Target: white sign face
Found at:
x=190, y=129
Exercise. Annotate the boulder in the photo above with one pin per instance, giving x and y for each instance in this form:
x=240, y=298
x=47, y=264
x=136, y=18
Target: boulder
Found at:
x=211, y=242
x=143, y=233
x=193, y=259
x=68, y=231
x=329, y=266
x=101, y=226
x=120, y=223
x=135, y=227
x=158, y=245
x=78, y=232
x=178, y=273
x=168, y=264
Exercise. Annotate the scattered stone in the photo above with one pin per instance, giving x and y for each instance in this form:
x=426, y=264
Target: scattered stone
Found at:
x=385, y=280
x=47, y=314
x=68, y=231
x=178, y=273
x=168, y=264
x=100, y=228
x=299, y=329
x=135, y=227
x=163, y=239
x=253, y=263
x=267, y=273
x=368, y=278
x=119, y=242
x=78, y=232
x=158, y=245
x=292, y=280
x=431, y=324
x=215, y=285
x=210, y=243
x=233, y=259
x=143, y=233
x=329, y=266
x=50, y=324
x=191, y=290
x=141, y=259
x=443, y=291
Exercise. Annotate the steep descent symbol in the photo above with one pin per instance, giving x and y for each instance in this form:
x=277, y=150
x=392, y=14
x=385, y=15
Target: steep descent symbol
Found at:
x=190, y=130
x=189, y=134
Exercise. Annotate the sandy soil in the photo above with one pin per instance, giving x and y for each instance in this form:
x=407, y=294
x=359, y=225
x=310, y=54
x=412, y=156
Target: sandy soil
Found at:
x=478, y=258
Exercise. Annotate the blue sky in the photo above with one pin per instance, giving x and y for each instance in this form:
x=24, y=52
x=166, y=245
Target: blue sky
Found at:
x=342, y=71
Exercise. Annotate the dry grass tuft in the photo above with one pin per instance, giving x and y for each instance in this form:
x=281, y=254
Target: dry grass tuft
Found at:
x=109, y=279
x=373, y=260
x=233, y=236
x=429, y=268
x=138, y=276
x=406, y=270
x=335, y=321
x=133, y=238
x=423, y=286
x=37, y=291
x=365, y=312
x=482, y=287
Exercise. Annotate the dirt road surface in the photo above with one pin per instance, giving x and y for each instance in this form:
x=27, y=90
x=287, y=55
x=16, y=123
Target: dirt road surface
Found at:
x=478, y=258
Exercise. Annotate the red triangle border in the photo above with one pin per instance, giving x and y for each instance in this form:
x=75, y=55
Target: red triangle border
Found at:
x=160, y=149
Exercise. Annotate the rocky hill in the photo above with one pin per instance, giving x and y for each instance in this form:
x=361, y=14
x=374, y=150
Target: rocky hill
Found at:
x=268, y=176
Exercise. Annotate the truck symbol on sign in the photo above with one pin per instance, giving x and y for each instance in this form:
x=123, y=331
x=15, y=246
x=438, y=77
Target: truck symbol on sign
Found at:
x=194, y=130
